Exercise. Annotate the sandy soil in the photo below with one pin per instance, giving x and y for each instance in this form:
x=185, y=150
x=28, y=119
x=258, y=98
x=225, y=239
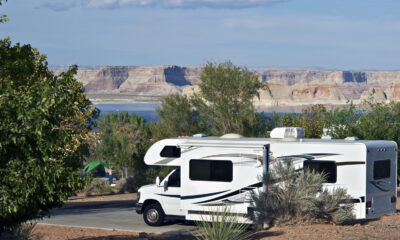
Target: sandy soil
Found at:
x=386, y=227
x=101, y=198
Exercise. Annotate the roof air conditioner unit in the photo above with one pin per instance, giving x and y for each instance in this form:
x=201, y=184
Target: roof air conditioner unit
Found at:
x=287, y=132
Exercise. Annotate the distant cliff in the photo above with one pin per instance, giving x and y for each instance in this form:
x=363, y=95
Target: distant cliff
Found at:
x=282, y=88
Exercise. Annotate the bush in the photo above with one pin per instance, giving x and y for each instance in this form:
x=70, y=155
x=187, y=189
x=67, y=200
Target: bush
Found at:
x=98, y=186
x=23, y=231
x=126, y=185
x=45, y=122
x=221, y=225
x=294, y=197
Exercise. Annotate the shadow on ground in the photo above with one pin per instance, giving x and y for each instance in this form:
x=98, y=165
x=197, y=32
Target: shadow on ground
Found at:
x=140, y=237
x=100, y=204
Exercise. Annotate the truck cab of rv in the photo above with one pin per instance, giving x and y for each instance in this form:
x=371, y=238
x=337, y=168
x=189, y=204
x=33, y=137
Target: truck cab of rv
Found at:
x=161, y=200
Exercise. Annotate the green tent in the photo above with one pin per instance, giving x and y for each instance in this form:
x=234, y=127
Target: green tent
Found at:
x=93, y=165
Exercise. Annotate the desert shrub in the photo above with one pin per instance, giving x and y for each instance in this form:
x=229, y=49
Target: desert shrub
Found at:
x=221, y=225
x=23, y=231
x=98, y=186
x=296, y=197
x=126, y=185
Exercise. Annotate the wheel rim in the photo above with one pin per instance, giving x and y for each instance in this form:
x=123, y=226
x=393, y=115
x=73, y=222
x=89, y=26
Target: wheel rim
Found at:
x=152, y=215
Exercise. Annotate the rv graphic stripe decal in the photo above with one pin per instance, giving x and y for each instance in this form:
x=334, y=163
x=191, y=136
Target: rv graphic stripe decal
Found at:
x=233, y=193
x=170, y=195
x=309, y=156
x=192, y=196
x=210, y=213
x=251, y=156
x=349, y=163
x=202, y=195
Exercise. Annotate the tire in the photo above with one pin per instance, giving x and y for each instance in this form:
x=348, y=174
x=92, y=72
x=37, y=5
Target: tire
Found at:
x=153, y=215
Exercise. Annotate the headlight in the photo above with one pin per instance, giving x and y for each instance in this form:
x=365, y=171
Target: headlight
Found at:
x=138, y=196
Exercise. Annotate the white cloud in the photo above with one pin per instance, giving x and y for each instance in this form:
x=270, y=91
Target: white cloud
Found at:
x=58, y=6
x=183, y=3
x=102, y=4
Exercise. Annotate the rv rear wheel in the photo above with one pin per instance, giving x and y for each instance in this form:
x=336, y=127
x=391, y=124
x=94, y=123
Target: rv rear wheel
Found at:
x=153, y=215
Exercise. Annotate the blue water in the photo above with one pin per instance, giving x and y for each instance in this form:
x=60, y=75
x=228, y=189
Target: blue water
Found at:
x=146, y=110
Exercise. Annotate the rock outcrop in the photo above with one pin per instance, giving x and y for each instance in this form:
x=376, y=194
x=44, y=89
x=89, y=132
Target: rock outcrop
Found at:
x=281, y=88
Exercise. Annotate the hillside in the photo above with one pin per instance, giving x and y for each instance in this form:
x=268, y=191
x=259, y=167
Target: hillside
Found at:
x=282, y=88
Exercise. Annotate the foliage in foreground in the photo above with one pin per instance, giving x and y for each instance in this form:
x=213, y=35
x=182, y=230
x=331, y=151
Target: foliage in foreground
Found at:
x=44, y=123
x=221, y=225
x=296, y=197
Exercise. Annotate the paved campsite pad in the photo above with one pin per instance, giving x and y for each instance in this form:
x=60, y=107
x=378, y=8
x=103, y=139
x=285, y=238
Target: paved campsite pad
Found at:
x=109, y=212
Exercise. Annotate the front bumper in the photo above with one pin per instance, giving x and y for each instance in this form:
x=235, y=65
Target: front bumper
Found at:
x=139, y=208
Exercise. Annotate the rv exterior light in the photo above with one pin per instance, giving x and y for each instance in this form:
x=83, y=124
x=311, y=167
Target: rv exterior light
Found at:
x=287, y=132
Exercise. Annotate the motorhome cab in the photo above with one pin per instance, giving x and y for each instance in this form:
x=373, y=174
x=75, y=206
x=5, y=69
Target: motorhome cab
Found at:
x=215, y=171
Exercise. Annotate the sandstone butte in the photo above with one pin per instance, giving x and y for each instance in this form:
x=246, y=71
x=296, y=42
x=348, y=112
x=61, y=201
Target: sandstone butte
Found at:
x=283, y=89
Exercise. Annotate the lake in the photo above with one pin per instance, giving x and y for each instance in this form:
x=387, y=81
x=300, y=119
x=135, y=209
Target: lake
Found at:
x=147, y=110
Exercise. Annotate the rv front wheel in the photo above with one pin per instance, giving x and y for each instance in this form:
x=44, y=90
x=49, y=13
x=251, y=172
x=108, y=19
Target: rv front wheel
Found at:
x=153, y=215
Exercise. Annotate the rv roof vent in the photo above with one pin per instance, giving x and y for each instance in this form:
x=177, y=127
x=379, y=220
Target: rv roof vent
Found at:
x=232, y=135
x=287, y=132
x=353, y=138
x=199, y=135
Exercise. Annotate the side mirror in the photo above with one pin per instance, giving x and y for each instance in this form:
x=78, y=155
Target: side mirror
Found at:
x=165, y=185
x=157, y=181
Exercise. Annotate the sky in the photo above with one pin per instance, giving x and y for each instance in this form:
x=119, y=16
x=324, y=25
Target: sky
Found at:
x=328, y=34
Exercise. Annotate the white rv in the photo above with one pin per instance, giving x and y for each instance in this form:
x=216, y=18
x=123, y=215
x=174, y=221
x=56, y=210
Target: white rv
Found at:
x=215, y=171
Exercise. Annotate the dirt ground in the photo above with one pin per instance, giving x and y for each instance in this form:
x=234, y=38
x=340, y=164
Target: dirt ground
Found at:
x=386, y=227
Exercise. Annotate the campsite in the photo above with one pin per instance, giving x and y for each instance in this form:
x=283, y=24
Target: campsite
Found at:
x=206, y=119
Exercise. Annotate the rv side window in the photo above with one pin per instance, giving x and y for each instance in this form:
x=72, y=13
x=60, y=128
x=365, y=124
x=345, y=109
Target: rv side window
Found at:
x=210, y=170
x=175, y=179
x=381, y=169
x=327, y=167
x=171, y=151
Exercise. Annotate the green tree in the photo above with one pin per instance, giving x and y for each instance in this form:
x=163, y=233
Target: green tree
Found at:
x=124, y=141
x=178, y=117
x=225, y=100
x=3, y=17
x=44, y=124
